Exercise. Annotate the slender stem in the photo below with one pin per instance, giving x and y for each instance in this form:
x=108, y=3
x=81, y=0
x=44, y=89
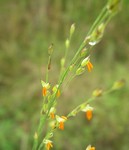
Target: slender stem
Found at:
x=92, y=98
x=98, y=20
x=78, y=108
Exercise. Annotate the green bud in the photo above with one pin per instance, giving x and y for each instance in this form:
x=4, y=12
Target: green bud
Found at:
x=62, y=62
x=97, y=92
x=71, y=67
x=85, y=61
x=55, y=88
x=87, y=39
x=101, y=28
x=50, y=49
x=118, y=84
x=113, y=5
x=44, y=84
x=36, y=136
x=72, y=29
x=67, y=43
x=83, y=52
x=97, y=35
x=80, y=71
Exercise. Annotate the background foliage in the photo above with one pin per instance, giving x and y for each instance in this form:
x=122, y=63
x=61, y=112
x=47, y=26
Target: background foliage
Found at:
x=27, y=28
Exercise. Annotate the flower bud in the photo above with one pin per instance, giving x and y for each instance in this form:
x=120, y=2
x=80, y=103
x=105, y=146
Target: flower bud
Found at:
x=113, y=5
x=85, y=61
x=87, y=39
x=71, y=67
x=62, y=62
x=67, y=43
x=44, y=84
x=50, y=49
x=83, y=52
x=97, y=92
x=97, y=35
x=118, y=84
x=80, y=71
x=55, y=88
x=72, y=29
x=35, y=136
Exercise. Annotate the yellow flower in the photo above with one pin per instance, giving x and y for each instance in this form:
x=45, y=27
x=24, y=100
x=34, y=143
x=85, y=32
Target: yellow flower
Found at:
x=48, y=144
x=89, y=66
x=45, y=88
x=90, y=148
x=44, y=91
x=88, y=109
x=58, y=93
x=86, y=62
x=52, y=113
x=61, y=121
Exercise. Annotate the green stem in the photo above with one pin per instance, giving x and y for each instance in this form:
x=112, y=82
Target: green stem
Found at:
x=78, y=108
x=98, y=20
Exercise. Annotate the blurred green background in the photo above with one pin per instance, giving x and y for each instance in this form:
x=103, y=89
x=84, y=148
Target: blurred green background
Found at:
x=27, y=28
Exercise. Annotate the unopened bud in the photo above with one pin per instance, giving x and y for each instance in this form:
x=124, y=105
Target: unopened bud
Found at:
x=113, y=5
x=97, y=92
x=62, y=62
x=83, y=52
x=118, y=84
x=55, y=88
x=67, y=42
x=71, y=67
x=87, y=39
x=97, y=35
x=44, y=84
x=50, y=49
x=80, y=71
x=35, y=136
x=72, y=29
x=101, y=28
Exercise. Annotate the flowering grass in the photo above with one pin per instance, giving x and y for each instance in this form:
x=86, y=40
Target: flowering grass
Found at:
x=79, y=64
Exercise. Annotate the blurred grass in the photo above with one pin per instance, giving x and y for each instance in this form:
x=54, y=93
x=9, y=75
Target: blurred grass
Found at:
x=26, y=30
